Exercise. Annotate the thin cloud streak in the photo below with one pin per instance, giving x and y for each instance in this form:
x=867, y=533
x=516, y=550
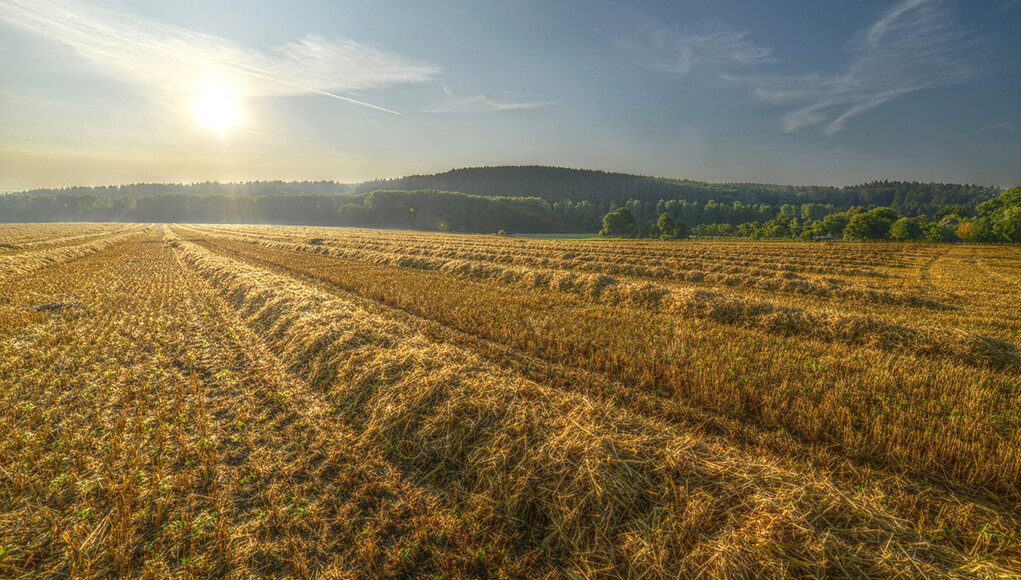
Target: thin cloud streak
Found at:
x=914, y=46
x=480, y=103
x=484, y=104
x=176, y=61
x=1001, y=128
x=706, y=43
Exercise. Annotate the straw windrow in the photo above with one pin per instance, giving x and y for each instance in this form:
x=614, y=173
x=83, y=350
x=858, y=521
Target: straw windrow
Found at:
x=598, y=488
x=214, y=401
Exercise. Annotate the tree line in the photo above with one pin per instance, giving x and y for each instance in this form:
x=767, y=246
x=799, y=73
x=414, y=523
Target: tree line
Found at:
x=423, y=210
x=172, y=207
x=459, y=212
x=207, y=188
x=995, y=220
x=449, y=211
x=558, y=185
x=513, y=199
x=583, y=197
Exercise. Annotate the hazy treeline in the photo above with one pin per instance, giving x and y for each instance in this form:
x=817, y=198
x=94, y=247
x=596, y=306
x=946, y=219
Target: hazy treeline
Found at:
x=487, y=199
x=448, y=211
x=172, y=207
x=424, y=210
x=213, y=188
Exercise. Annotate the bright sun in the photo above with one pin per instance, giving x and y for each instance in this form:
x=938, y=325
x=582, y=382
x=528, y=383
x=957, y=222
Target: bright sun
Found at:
x=217, y=110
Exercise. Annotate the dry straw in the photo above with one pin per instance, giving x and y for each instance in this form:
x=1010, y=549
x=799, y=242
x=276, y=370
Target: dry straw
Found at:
x=606, y=492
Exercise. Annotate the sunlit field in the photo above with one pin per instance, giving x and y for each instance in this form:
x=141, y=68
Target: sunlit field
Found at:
x=263, y=401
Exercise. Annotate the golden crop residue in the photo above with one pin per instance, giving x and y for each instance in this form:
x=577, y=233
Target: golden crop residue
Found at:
x=285, y=401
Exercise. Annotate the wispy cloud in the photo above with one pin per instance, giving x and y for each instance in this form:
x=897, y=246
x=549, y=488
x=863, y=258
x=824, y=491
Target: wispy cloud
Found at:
x=914, y=46
x=705, y=43
x=480, y=103
x=172, y=60
x=1001, y=128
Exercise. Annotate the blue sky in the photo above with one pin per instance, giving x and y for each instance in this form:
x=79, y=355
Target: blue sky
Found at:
x=830, y=93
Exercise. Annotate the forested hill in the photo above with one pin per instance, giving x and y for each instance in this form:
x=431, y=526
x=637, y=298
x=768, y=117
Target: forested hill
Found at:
x=599, y=188
x=486, y=199
x=555, y=184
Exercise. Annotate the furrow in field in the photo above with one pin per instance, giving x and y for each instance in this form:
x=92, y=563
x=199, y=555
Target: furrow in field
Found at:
x=503, y=248
x=554, y=462
x=36, y=295
x=969, y=348
x=360, y=514
x=157, y=438
x=849, y=417
x=19, y=236
x=928, y=501
x=13, y=266
x=591, y=259
x=68, y=235
x=992, y=300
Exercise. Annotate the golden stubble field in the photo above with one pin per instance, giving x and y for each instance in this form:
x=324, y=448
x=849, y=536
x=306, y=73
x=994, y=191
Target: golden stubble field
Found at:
x=259, y=401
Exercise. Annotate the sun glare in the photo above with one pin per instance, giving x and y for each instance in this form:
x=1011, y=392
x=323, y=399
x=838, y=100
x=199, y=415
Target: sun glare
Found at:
x=217, y=110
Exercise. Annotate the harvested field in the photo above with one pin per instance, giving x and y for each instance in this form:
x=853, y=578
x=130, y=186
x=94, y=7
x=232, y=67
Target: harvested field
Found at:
x=204, y=401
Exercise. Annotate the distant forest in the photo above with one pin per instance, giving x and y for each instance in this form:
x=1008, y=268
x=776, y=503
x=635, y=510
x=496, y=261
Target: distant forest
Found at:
x=486, y=200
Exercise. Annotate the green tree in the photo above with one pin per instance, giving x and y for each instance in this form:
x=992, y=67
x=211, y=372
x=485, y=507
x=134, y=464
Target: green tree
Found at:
x=817, y=229
x=747, y=230
x=681, y=230
x=872, y=225
x=906, y=229
x=780, y=226
x=1008, y=227
x=976, y=230
x=952, y=211
x=835, y=223
x=667, y=226
x=619, y=222
x=811, y=212
x=1004, y=215
x=885, y=214
x=941, y=232
x=994, y=208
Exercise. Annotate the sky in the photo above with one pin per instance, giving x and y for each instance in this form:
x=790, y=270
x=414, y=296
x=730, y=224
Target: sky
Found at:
x=96, y=92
